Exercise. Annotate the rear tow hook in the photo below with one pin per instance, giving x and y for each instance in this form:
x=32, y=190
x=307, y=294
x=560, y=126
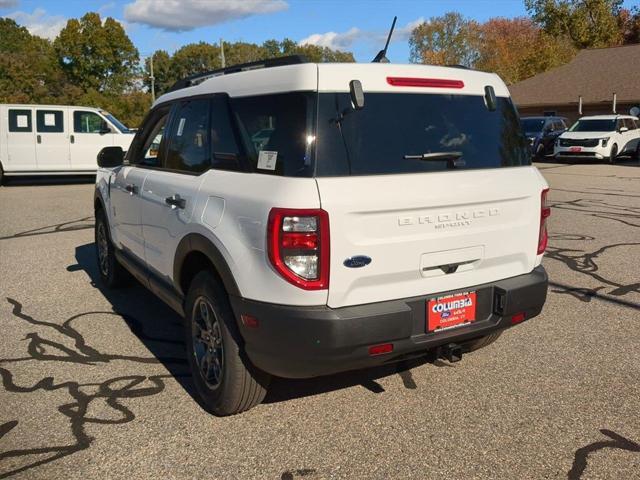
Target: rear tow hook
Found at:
x=451, y=352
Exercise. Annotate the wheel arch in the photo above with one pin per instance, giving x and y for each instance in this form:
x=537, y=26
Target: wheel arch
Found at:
x=195, y=253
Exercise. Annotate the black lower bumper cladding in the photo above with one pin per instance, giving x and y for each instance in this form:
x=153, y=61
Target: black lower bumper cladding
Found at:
x=302, y=342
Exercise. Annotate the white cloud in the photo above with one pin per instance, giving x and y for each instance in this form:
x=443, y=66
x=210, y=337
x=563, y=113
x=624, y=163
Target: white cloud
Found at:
x=336, y=41
x=39, y=23
x=404, y=33
x=8, y=3
x=182, y=15
x=344, y=40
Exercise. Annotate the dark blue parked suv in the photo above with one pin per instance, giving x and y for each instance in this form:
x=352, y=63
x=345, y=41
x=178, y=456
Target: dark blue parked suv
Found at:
x=541, y=132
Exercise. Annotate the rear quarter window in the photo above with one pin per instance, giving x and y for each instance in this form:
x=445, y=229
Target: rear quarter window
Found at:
x=277, y=132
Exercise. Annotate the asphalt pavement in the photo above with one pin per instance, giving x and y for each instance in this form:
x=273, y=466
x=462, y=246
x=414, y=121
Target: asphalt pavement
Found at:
x=94, y=382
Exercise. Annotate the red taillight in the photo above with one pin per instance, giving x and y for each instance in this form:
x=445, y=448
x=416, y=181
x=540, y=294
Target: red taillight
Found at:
x=424, y=82
x=545, y=212
x=380, y=349
x=298, y=245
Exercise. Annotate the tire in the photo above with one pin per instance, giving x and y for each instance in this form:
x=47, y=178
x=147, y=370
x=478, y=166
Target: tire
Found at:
x=636, y=155
x=540, y=151
x=614, y=154
x=226, y=381
x=1, y=174
x=478, y=343
x=112, y=274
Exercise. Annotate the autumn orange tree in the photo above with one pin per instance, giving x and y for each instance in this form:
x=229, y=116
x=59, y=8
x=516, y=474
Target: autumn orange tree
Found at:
x=515, y=49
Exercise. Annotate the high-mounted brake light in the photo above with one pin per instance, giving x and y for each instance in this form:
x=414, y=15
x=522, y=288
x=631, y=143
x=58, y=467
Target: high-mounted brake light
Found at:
x=298, y=245
x=424, y=82
x=545, y=212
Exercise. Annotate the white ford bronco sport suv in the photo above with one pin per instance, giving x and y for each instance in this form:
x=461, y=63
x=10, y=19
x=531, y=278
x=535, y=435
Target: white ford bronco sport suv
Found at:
x=600, y=137
x=308, y=219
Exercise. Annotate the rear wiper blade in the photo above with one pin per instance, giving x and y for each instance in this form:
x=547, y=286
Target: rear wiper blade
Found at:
x=454, y=157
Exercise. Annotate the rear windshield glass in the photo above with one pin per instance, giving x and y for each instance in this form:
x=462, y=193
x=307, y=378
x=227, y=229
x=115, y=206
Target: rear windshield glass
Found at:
x=593, y=126
x=532, y=124
x=390, y=127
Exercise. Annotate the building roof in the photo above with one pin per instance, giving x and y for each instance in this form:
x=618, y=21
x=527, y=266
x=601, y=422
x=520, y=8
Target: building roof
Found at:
x=596, y=74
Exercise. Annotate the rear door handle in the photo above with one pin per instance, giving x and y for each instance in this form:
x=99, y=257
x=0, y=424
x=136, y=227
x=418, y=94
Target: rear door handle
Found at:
x=176, y=201
x=73, y=139
x=131, y=188
x=39, y=138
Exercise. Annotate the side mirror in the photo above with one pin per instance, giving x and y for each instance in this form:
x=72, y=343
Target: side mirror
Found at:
x=357, y=94
x=110, y=157
x=104, y=128
x=623, y=129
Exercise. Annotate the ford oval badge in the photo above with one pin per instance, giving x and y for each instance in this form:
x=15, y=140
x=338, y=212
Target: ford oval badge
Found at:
x=357, y=262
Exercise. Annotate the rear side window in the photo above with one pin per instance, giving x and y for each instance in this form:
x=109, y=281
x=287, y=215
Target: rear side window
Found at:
x=277, y=132
x=20, y=121
x=88, y=122
x=376, y=139
x=49, y=121
x=188, y=147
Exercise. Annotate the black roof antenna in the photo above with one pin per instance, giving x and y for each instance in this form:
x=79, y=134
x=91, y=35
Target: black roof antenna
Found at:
x=381, y=57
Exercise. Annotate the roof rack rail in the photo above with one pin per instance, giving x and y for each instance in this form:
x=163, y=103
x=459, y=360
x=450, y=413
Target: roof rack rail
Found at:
x=267, y=63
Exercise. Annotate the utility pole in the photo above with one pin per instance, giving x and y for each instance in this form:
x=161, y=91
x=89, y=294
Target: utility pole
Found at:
x=153, y=79
x=222, y=60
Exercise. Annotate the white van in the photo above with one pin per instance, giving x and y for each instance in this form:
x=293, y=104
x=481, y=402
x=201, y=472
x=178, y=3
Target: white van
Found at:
x=56, y=139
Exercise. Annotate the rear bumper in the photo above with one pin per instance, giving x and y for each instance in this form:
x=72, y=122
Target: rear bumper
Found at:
x=302, y=342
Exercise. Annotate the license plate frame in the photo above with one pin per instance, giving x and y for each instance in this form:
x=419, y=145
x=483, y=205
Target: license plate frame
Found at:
x=451, y=311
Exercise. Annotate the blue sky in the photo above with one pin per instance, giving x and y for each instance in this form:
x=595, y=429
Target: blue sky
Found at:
x=355, y=25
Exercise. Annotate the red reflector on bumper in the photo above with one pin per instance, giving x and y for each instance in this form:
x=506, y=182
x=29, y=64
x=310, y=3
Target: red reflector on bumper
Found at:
x=249, y=321
x=380, y=349
x=517, y=318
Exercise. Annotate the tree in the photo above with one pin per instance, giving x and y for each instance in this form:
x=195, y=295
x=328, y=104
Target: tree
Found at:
x=164, y=76
x=195, y=58
x=447, y=40
x=517, y=49
x=588, y=23
x=242, y=52
x=29, y=71
x=202, y=57
x=629, y=24
x=315, y=53
x=97, y=55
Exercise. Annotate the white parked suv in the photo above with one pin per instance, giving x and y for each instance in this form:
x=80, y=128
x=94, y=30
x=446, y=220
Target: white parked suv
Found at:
x=308, y=219
x=600, y=137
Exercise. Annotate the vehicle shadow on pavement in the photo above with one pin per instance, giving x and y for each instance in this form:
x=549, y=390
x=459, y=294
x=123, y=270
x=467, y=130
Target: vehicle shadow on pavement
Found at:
x=155, y=324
